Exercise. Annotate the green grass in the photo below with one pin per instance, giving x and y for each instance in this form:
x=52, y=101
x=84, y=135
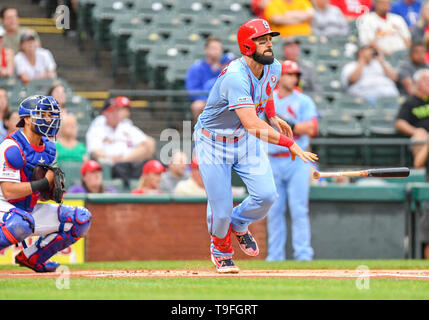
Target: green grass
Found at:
x=222, y=288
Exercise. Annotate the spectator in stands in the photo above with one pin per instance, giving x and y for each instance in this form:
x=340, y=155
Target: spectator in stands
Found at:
x=407, y=69
x=328, y=20
x=7, y=68
x=422, y=26
x=150, y=178
x=387, y=32
x=119, y=143
x=4, y=110
x=354, y=8
x=10, y=121
x=290, y=17
x=193, y=186
x=92, y=179
x=176, y=172
x=413, y=121
x=309, y=81
x=58, y=91
x=33, y=62
x=10, y=20
x=409, y=10
x=258, y=7
x=124, y=105
x=68, y=146
x=370, y=76
x=205, y=71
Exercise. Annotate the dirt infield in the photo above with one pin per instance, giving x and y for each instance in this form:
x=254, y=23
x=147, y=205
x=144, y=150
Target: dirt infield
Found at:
x=201, y=273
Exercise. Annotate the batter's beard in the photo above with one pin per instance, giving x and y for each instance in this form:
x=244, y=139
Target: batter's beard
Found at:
x=262, y=59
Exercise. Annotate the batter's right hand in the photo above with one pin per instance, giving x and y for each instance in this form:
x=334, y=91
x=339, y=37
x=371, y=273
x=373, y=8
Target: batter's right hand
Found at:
x=306, y=156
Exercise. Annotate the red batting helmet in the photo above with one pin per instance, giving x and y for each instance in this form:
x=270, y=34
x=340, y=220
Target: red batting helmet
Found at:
x=289, y=66
x=250, y=30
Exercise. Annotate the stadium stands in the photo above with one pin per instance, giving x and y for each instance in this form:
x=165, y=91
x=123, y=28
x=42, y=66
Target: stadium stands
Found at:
x=153, y=42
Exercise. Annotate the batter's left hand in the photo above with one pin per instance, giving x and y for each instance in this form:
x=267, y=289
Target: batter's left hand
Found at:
x=281, y=126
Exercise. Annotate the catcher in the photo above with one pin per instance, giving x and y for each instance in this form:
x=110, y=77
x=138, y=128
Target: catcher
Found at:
x=26, y=175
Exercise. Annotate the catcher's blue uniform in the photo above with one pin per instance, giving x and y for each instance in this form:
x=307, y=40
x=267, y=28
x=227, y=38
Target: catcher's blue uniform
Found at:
x=222, y=144
x=58, y=226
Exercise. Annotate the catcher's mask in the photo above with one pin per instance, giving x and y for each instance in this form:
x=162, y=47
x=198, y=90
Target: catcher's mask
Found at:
x=44, y=113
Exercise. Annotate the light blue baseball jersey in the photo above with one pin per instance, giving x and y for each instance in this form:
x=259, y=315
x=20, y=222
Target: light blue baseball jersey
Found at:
x=296, y=107
x=237, y=87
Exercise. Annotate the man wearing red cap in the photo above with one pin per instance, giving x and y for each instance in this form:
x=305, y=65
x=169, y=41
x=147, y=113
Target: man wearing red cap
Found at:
x=92, y=179
x=119, y=143
x=227, y=138
x=151, y=178
x=291, y=177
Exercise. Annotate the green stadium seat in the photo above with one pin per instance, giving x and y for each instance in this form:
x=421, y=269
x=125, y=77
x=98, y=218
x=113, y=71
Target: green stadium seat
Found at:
x=116, y=184
x=190, y=7
x=42, y=86
x=103, y=17
x=382, y=126
x=9, y=83
x=121, y=30
x=355, y=106
x=139, y=45
x=149, y=6
x=340, y=126
x=389, y=105
x=72, y=172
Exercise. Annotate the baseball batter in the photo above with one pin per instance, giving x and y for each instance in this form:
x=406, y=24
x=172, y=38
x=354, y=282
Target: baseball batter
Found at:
x=58, y=226
x=227, y=137
x=292, y=178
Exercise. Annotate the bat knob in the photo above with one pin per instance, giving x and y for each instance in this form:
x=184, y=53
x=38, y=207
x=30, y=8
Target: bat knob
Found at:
x=316, y=174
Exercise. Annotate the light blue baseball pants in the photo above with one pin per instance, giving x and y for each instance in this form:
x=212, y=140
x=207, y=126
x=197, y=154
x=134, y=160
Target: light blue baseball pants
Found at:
x=293, y=187
x=216, y=159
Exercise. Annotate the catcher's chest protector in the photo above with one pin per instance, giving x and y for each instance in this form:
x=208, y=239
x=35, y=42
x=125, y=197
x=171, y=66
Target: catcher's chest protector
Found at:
x=32, y=155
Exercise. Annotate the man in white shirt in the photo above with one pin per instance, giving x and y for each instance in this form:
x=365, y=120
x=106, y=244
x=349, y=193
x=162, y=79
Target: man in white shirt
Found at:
x=387, y=32
x=119, y=143
x=370, y=76
x=115, y=141
x=33, y=62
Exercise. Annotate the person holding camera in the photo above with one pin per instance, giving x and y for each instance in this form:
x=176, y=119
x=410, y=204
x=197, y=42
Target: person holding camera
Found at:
x=370, y=76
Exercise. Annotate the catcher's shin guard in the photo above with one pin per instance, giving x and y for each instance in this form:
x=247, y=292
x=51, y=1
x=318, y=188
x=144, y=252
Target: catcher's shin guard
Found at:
x=16, y=226
x=46, y=247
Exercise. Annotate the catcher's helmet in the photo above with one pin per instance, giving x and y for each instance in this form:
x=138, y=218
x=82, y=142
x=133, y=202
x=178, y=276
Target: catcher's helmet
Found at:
x=36, y=108
x=250, y=30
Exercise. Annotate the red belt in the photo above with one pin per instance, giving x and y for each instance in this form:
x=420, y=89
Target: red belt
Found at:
x=221, y=138
x=281, y=155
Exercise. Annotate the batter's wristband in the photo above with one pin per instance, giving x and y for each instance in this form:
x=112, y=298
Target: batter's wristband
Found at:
x=40, y=185
x=285, y=141
x=270, y=111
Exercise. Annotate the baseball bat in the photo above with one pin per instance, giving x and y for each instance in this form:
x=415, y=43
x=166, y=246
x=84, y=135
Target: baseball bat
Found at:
x=401, y=172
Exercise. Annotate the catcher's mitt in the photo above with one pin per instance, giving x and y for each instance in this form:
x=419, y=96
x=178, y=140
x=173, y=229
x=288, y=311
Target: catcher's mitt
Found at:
x=58, y=188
